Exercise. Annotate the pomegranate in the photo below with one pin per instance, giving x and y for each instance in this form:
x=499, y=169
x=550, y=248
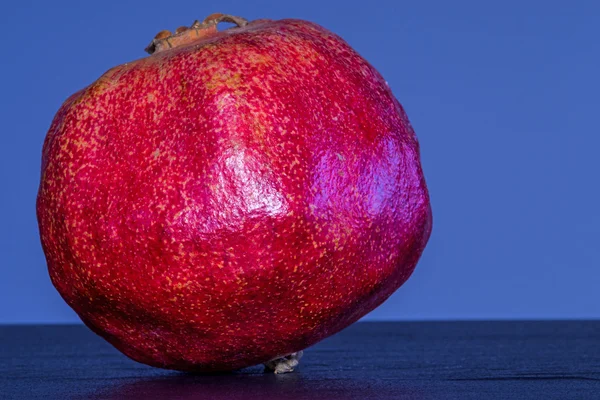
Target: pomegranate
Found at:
x=233, y=198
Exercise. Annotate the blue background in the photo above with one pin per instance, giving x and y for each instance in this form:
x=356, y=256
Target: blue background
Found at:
x=504, y=97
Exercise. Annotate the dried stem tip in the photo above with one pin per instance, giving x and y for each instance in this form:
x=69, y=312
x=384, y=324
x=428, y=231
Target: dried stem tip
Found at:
x=165, y=40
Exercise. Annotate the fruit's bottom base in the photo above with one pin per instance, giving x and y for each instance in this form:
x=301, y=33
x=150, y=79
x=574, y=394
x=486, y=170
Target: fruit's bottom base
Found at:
x=283, y=365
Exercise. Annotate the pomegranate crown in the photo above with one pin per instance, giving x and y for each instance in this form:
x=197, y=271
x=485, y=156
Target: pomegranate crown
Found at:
x=165, y=40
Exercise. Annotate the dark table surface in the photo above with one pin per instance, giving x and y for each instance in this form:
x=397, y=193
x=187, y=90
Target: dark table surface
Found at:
x=387, y=360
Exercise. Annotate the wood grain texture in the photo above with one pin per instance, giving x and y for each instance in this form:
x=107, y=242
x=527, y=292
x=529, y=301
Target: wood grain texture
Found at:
x=388, y=360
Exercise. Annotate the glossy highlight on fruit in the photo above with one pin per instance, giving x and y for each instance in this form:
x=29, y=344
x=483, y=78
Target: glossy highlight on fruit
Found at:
x=233, y=198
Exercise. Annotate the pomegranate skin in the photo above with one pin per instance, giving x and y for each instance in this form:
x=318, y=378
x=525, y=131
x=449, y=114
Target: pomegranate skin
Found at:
x=232, y=200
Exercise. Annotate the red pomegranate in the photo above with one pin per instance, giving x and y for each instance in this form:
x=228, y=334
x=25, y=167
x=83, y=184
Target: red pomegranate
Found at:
x=233, y=198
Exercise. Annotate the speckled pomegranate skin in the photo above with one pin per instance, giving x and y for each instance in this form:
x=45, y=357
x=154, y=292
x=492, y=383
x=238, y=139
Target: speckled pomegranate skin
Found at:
x=233, y=200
